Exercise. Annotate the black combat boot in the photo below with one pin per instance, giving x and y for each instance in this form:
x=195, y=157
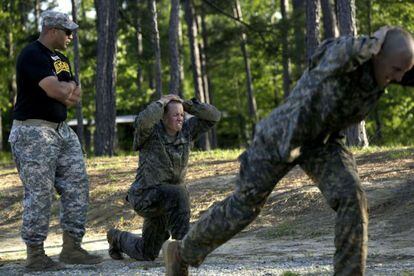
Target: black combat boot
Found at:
x=37, y=260
x=73, y=253
x=174, y=265
x=113, y=236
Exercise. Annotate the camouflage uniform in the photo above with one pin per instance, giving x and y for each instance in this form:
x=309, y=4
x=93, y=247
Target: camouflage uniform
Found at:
x=46, y=150
x=50, y=157
x=337, y=90
x=158, y=193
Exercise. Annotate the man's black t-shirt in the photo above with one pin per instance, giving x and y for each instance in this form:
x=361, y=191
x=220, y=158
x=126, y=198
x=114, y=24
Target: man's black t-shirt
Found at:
x=35, y=63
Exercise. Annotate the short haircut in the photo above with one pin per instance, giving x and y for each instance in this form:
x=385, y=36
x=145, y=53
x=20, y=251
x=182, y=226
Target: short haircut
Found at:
x=394, y=37
x=167, y=107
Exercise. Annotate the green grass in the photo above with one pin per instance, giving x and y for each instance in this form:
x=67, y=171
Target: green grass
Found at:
x=217, y=154
x=105, y=191
x=114, y=162
x=317, y=233
x=290, y=273
x=390, y=152
x=113, y=177
x=227, y=154
x=395, y=151
x=402, y=154
x=282, y=229
x=5, y=158
x=375, y=149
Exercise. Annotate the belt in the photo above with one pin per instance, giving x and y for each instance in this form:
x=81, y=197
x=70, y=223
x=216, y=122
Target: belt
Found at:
x=37, y=122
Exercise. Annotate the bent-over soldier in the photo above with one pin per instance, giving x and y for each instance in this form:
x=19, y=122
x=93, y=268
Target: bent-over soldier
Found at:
x=343, y=82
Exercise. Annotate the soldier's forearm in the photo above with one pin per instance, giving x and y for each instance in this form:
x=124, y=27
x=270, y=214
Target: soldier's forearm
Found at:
x=151, y=115
x=202, y=111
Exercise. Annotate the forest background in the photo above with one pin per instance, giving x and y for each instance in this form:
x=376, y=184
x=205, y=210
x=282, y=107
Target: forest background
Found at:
x=243, y=56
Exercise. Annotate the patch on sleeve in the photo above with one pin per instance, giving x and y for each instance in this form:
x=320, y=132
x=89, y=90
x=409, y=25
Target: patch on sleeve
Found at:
x=61, y=66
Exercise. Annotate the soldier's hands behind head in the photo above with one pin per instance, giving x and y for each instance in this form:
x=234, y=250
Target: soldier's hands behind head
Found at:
x=171, y=97
x=380, y=34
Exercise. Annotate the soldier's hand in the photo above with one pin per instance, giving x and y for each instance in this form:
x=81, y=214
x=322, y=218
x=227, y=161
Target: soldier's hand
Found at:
x=72, y=100
x=380, y=34
x=189, y=104
x=74, y=97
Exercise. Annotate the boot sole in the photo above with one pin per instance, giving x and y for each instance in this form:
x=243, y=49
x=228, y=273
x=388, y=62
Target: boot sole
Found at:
x=116, y=257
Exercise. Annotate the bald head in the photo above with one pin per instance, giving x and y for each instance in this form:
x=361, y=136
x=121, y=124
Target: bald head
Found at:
x=398, y=40
x=395, y=58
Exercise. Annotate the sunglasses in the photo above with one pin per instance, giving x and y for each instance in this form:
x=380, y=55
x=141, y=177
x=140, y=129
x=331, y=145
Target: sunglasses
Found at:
x=67, y=31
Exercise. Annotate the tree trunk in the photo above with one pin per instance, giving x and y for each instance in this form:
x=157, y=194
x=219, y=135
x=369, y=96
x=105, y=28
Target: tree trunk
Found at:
x=243, y=140
x=298, y=56
x=249, y=82
x=151, y=79
x=192, y=34
x=378, y=126
x=204, y=77
x=276, y=91
x=1, y=131
x=180, y=41
x=13, y=32
x=37, y=14
x=369, y=16
x=275, y=71
x=10, y=46
x=328, y=19
x=140, y=49
x=155, y=37
x=79, y=115
x=346, y=17
x=378, y=123
x=312, y=27
x=22, y=13
x=83, y=11
x=107, y=17
x=356, y=135
x=12, y=84
x=196, y=63
x=285, y=49
x=175, y=67
x=203, y=61
x=209, y=95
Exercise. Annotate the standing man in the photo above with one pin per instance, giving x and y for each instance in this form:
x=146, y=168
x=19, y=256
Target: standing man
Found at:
x=46, y=150
x=344, y=81
x=158, y=194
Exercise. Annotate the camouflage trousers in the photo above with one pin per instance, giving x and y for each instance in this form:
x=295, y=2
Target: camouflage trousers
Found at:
x=48, y=159
x=166, y=211
x=330, y=165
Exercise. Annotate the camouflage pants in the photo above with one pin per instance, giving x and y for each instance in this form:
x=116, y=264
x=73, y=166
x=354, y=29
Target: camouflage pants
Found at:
x=330, y=165
x=166, y=210
x=47, y=159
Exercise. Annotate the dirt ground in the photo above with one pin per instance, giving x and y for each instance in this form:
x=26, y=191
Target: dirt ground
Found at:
x=293, y=233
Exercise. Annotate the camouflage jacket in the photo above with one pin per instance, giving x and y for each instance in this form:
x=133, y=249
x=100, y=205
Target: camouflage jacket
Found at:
x=337, y=90
x=163, y=159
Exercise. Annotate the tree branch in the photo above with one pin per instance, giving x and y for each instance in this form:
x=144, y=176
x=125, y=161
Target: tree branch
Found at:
x=248, y=26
